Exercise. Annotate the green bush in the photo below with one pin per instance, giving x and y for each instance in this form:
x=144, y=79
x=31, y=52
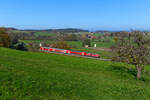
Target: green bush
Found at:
x=20, y=46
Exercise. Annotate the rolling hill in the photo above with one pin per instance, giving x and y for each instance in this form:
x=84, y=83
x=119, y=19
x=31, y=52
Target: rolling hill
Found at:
x=40, y=76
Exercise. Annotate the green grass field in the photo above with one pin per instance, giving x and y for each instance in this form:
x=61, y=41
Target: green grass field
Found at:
x=45, y=34
x=77, y=44
x=40, y=76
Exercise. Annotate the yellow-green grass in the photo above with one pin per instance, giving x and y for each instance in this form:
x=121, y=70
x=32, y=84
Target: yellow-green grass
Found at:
x=40, y=76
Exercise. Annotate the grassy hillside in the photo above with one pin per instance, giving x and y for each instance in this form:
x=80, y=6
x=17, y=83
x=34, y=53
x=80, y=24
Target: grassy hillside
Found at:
x=39, y=76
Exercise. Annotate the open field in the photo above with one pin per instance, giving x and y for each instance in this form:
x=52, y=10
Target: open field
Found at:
x=39, y=76
x=44, y=34
x=77, y=44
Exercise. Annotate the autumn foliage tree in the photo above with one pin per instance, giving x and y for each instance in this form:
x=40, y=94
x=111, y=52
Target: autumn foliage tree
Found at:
x=133, y=50
x=4, y=38
x=61, y=44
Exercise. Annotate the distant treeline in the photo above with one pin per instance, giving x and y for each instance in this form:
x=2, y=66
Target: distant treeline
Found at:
x=67, y=30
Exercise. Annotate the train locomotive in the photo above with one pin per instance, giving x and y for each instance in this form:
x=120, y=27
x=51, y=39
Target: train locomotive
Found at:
x=56, y=50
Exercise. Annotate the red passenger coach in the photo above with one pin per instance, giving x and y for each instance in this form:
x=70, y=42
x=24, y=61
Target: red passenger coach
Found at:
x=47, y=49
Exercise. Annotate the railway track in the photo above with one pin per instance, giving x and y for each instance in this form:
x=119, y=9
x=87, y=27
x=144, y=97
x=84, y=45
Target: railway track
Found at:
x=78, y=56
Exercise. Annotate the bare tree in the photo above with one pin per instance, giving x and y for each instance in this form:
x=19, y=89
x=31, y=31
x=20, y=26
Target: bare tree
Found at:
x=61, y=45
x=133, y=49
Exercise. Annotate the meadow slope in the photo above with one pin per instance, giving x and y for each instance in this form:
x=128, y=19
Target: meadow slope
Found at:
x=39, y=76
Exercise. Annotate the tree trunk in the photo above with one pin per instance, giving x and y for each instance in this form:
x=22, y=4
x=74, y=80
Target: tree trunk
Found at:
x=139, y=72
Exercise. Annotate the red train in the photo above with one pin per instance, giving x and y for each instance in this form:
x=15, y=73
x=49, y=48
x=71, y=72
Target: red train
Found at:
x=48, y=49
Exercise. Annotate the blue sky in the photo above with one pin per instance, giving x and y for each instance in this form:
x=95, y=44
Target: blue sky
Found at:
x=88, y=14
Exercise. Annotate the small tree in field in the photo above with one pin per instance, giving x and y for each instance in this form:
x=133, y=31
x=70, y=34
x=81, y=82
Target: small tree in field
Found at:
x=133, y=50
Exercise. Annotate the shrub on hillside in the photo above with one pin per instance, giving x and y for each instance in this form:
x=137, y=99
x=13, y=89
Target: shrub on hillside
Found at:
x=20, y=46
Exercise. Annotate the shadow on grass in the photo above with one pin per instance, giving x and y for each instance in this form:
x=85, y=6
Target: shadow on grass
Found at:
x=123, y=71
